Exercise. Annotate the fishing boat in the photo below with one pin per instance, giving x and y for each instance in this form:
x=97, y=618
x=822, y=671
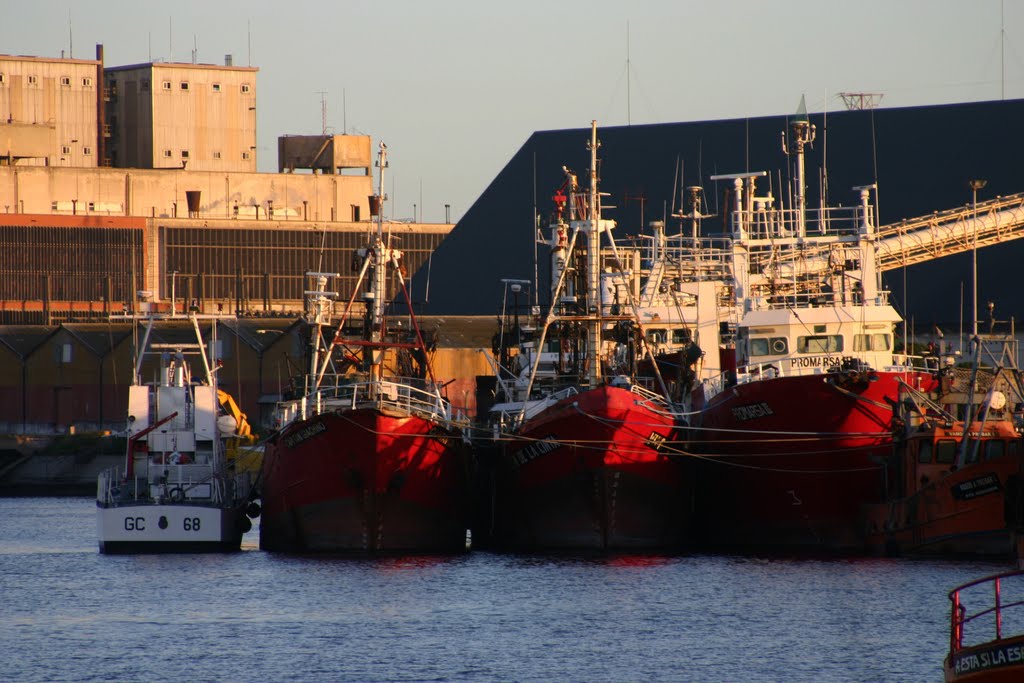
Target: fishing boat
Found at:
x=368, y=457
x=177, y=491
x=954, y=480
x=986, y=644
x=584, y=453
x=793, y=426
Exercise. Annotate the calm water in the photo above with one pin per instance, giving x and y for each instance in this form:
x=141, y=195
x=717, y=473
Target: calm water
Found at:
x=70, y=614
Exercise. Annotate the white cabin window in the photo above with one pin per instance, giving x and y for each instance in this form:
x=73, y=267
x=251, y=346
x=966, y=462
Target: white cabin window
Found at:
x=245, y=87
x=879, y=341
x=657, y=336
x=166, y=85
x=87, y=82
x=87, y=151
x=681, y=336
x=65, y=81
x=769, y=346
x=823, y=343
x=32, y=80
x=216, y=155
x=216, y=87
x=184, y=85
x=3, y=79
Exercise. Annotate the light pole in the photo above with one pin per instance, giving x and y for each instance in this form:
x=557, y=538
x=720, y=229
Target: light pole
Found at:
x=975, y=185
x=174, y=297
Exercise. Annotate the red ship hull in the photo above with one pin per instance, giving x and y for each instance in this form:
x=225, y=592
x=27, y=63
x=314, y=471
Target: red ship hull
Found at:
x=596, y=471
x=365, y=480
x=788, y=462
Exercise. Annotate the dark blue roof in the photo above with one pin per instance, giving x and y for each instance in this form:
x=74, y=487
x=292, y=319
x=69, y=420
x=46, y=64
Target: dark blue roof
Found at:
x=924, y=157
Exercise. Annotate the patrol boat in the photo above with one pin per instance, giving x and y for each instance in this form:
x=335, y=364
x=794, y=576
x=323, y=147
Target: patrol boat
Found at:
x=177, y=491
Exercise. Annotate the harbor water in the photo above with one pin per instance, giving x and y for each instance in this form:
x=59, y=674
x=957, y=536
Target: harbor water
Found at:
x=68, y=613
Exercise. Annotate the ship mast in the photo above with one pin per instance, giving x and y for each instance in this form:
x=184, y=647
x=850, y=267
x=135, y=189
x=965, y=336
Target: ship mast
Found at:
x=381, y=254
x=593, y=228
x=803, y=134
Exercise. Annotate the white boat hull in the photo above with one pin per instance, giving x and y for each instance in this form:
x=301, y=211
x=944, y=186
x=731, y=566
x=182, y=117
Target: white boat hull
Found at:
x=170, y=528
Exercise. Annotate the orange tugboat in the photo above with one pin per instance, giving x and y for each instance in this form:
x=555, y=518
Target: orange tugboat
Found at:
x=975, y=656
x=953, y=490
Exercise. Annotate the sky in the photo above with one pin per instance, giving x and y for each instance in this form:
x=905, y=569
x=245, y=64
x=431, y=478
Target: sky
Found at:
x=455, y=87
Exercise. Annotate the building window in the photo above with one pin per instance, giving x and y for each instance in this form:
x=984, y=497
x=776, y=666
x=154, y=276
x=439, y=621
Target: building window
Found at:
x=184, y=154
x=216, y=155
x=216, y=87
x=87, y=151
x=64, y=350
x=166, y=85
x=245, y=87
x=184, y=85
x=167, y=154
x=65, y=81
x=87, y=82
x=245, y=156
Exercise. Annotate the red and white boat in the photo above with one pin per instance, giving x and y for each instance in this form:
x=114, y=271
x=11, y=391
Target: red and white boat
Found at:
x=792, y=429
x=986, y=644
x=186, y=485
x=367, y=459
x=584, y=452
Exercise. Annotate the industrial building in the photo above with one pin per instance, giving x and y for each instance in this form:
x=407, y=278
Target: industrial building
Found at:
x=127, y=188
x=142, y=178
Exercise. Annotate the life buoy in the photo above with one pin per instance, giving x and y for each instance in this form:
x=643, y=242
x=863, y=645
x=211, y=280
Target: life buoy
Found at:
x=778, y=345
x=176, y=494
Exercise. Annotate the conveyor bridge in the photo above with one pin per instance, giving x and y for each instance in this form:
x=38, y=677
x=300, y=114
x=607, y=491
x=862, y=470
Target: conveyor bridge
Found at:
x=953, y=231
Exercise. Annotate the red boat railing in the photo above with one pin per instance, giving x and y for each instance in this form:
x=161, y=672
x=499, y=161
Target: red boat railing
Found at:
x=960, y=618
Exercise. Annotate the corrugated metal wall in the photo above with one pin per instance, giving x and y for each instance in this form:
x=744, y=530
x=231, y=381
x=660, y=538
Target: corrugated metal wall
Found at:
x=69, y=263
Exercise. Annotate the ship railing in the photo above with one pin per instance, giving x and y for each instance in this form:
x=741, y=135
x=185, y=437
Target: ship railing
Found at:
x=535, y=408
x=904, y=362
x=399, y=395
x=815, y=299
x=653, y=399
x=749, y=373
x=777, y=223
x=113, y=488
x=790, y=366
x=1000, y=595
x=519, y=412
x=686, y=255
